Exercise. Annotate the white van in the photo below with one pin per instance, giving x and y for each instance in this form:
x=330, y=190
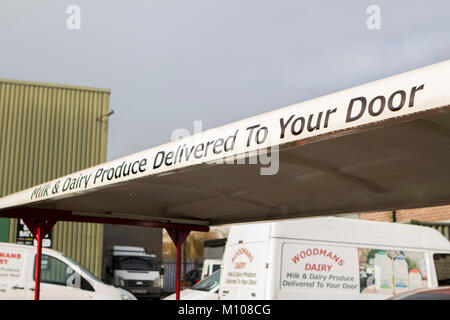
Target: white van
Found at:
x=134, y=270
x=210, y=266
x=61, y=277
x=331, y=258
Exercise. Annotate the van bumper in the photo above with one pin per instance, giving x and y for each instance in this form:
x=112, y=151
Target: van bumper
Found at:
x=145, y=292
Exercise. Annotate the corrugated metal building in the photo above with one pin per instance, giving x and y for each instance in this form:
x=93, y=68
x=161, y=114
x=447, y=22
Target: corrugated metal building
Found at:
x=47, y=131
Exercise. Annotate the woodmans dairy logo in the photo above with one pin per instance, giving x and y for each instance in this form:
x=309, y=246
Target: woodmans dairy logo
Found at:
x=5, y=257
x=309, y=267
x=241, y=252
x=11, y=264
x=242, y=272
x=318, y=252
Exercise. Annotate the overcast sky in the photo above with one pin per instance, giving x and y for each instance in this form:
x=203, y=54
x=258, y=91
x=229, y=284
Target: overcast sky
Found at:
x=171, y=62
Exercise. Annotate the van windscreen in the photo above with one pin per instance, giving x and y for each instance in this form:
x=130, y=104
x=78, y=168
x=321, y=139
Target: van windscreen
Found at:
x=208, y=283
x=442, y=263
x=136, y=263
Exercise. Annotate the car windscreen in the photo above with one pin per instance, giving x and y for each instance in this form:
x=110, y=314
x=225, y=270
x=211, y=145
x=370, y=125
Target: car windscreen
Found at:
x=208, y=283
x=89, y=274
x=136, y=263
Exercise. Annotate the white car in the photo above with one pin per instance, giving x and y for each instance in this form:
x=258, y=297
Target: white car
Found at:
x=207, y=289
x=62, y=278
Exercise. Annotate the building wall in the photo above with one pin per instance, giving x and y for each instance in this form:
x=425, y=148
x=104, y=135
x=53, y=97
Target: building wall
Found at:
x=4, y=230
x=385, y=216
x=429, y=214
x=81, y=241
x=47, y=131
x=437, y=217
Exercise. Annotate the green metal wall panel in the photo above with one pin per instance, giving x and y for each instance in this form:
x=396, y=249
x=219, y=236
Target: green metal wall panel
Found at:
x=82, y=241
x=4, y=230
x=47, y=131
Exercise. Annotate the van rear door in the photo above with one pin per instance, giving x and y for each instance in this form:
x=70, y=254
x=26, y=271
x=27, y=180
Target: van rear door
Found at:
x=244, y=264
x=12, y=273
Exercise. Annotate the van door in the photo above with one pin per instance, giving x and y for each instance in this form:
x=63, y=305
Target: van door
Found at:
x=12, y=273
x=88, y=291
x=244, y=271
x=442, y=268
x=59, y=281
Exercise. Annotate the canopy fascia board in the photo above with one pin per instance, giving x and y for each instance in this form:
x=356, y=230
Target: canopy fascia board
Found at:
x=405, y=97
x=63, y=215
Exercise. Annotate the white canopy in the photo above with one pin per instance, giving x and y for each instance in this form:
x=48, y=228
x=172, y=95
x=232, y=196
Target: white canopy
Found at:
x=380, y=146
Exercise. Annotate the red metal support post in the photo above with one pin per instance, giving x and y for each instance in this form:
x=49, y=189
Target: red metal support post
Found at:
x=40, y=222
x=178, y=237
x=177, y=289
x=39, y=227
x=37, y=271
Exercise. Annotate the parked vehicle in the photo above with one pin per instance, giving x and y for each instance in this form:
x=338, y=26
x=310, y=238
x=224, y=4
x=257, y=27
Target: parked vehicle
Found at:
x=207, y=289
x=332, y=258
x=441, y=293
x=214, y=248
x=193, y=276
x=61, y=277
x=210, y=266
x=134, y=270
